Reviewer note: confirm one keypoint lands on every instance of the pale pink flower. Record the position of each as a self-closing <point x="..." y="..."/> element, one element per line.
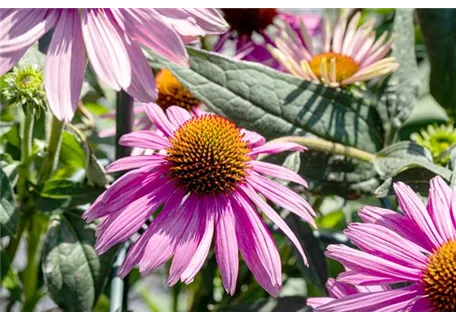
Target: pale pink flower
<point x="112" y="40"/>
<point x="349" y="53"/>
<point x="205" y="175"/>
<point x="415" y="253"/>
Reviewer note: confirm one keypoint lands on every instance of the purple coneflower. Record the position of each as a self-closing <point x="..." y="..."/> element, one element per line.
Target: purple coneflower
<point x="251" y="30"/>
<point x="414" y="252"/>
<point x="112" y="39"/>
<point x="349" y="53"/>
<point x="206" y="177"/>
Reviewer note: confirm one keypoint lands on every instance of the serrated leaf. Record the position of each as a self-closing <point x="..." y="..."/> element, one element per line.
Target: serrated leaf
<point x="438" y="27"/>
<point x="277" y="104"/>
<point x="73" y="272"/>
<point x="399" y="95"/>
<point x="8" y="209"/>
<point x="61" y="194"/>
<point x="404" y="155"/>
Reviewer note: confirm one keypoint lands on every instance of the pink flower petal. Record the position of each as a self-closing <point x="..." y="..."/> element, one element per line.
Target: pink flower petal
<point x="121" y="226"/>
<point x="106" y="48"/>
<point x="414" y="208"/>
<point x="159" y="119"/>
<point x="156" y="246"/>
<point x="226" y="247"/>
<point x="392" y="300"/>
<point x="65" y="66"/>
<point x="177" y="115"/>
<point x="276" y="171"/>
<point x="396" y="222"/>
<point x="257" y="246"/>
<point x="148" y="28"/>
<point x="366" y="263"/>
<point x="382" y="242"/>
<point x="277" y="147"/>
<point x="144" y="139"/>
<point x="283" y="196"/>
<point x="273" y="216"/>
<point x="134" y="162"/>
<point x="208" y="20"/>
<point x="439" y="204"/>
<point x="252" y="138"/>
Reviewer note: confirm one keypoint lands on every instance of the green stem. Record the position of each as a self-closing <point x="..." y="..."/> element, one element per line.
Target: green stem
<point x="117" y="302"/>
<point x="26" y="154"/>
<point x="328" y="146"/>
<point x="14" y="242"/>
<point x="53" y="150"/>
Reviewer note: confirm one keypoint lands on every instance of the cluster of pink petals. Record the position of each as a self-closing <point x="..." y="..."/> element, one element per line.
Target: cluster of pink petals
<point x="295" y="50"/>
<point x="185" y="227"/>
<point x="394" y="249"/>
<point x="112" y="40"/>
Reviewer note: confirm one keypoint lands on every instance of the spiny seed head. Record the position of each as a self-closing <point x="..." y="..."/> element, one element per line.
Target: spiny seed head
<point x="439" y="278"/>
<point x="438" y="139"/>
<point x="172" y="93"/>
<point x="208" y="155"/>
<point x="345" y="66"/>
<point x="246" y="21"/>
<point x="24" y="87"/>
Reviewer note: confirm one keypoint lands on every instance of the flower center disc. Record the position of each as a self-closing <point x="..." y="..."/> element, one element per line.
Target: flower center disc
<point x="208" y="155"/>
<point x="345" y="66"/>
<point x="245" y="21"/>
<point x="172" y="93"/>
<point x="440" y="278"/>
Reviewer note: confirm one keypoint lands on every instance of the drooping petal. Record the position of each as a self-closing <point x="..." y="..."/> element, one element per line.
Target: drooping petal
<point x="134" y="162"/>
<point x="277" y="147"/>
<point x="276" y="171"/>
<point x="257" y="246"/>
<point x="146" y="139"/>
<point x="273" y="216"/>
<point x="148" y="28"/>
<point x="65" y="66"/>
<point x="156" y="245"/>
<point x="226" y="246"/>
<point x="106" y="48"/>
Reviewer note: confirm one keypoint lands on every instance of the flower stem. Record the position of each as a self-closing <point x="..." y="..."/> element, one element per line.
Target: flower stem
<point x="124" y="125"/>
<point x="53" y="150"/>
<point x="26" y="154"/>
<point x="328" y="146"/>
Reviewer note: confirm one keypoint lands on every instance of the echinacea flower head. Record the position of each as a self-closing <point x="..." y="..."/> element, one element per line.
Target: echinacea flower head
<point x="437" y="139"/>
<point x="24" y="86"/>
<point x="252" y="30"/>
<point x="414" y="252"/>
<point x="111" y="38"/>
<point x="349" y="52"/>
<point x="205" y="178"/>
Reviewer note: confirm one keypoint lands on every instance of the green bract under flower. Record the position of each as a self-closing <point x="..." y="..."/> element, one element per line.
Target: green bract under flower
<point x="438" y="140"/>
<point x="24" y="87"/>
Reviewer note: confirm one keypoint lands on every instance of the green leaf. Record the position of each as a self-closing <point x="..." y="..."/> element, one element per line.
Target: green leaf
<point x="329" y="174"/>
<point x="9" y="278"/>
<point x="71" y="153"/>
<point x="416" y="178"/>
<point x="438" y="27"/>
<point x="316" y="272"/>
<point x="277" y="104"/>
<point x="400" y="156"/>
<point x="8" y="209"/>
<point x="452" y="165"/>
<point x="399" y="95"/>
<point x="73" y="272"/>
<point x="61" y="194"/>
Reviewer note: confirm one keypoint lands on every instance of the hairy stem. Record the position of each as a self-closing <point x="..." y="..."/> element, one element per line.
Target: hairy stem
<point x="26" y="154"/>
<point x="329" y="147"/>
<point x="53" y="150"/>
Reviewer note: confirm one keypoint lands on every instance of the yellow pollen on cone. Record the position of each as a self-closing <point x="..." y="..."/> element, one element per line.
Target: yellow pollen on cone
<point x="323" y="64"/>
<point x="172" y="93"/>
